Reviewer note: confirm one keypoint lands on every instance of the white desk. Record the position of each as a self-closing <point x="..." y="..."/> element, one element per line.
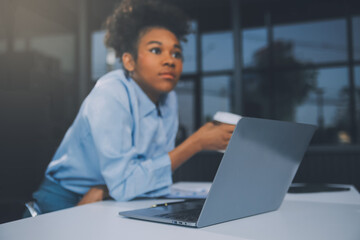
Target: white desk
<point x="327" y="216"/>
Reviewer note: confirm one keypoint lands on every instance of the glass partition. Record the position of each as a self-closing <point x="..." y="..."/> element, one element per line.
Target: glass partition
<point x="217" y="51"/>
<point x="357" y="99"/>
<point x="185" y="94"/>
<point x="103" y="59"/>
<point x="189" y="51"/>
<point x="216" y="95"/>
<point x="322" y="101"/>
<point x="356" y="37"/>
<point x="254" y="40"/>
<point x="313" y="42"/>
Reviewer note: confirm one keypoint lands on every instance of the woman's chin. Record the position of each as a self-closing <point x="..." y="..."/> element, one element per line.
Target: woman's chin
<point x="167" y="89"/>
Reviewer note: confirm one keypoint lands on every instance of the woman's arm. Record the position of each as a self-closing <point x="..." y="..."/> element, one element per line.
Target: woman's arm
<point x="211" y="136"/>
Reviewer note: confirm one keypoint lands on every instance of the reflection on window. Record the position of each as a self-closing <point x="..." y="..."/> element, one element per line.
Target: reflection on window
<point x="257" y="95"/>
<point x="2" y="46"/>
<point x="217" y="51"/>
<point x="61" y="47"/>
<point x="185" y="94"/>
<point x="20" y="45"/>
<point x="253" y="41"/>
<point x="216" y="96"/>
<point x="327" y="106"/>
<point x="315" y="42"/>
<point x="189" y="51"/>
<point x="98" y="52"/>
<point x="292" y="89"/>
<point x="38" y="73"/>
<point x="3" y="36"/>
<point x="319" y="97"/>
<point x="356" y="37"/>
<point x="51" y="39"/>
<point x="357" y="99"/>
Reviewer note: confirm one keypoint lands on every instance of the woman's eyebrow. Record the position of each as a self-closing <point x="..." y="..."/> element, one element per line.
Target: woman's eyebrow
<point x="152" y="42"/>
<point x="160" y="43"/>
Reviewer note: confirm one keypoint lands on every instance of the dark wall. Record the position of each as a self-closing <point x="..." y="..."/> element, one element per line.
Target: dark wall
<point x="31" y="125"/>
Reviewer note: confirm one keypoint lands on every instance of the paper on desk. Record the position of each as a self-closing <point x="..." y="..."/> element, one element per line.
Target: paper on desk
<point x="189" y="190"/>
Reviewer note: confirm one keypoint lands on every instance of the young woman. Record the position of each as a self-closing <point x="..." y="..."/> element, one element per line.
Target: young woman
<point x="123" y="137"/>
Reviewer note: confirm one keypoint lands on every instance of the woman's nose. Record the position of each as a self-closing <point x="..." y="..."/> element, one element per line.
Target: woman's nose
<point x="169" y="60"/>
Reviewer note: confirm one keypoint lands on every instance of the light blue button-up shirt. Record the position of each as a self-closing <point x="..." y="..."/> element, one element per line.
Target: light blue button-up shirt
<point x="118" y="138"/>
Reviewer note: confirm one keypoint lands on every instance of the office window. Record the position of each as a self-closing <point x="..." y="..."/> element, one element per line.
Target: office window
<point x="356" y="37"/>
<point x="254" y="40"/>
<point x="357" y="100"/>
<point x="217" y="51"/>
<point x="59" y="53"/>
<point x="257" y="90"/>
<point x="3" y="34"/>
<point x="38" y="86"/>
<point x="98" y="55"/>
<point x="42" y="60"/>
<point x="2" y="46"/>
<point x="314" y="42"/>
<point x="103" y="60"/>
<point x="185" y="94"/>
<point x="323" y="101"/>
<point x="49" y="38"/>
<point x="61" y="47"/>
<point x="216" y="96"/>
<point x="20" y="45"/>
<point x="189" y="51"/>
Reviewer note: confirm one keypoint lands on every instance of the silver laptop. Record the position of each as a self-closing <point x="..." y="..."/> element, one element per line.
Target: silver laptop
<point x="253" y="177"/>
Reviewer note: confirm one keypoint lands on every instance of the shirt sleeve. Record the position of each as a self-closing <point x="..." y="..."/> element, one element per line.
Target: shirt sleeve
<point x="173" y="120"/>
<point x="126" y="173"/>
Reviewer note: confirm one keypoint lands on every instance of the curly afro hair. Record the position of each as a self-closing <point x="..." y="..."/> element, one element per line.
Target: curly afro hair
<point x="133" y="17"/>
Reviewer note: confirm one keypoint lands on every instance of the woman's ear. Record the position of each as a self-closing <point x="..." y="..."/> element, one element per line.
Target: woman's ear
<point x="128" y="62"/>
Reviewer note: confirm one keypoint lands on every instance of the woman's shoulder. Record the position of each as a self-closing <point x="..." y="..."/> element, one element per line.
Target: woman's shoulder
<point x="113" y="80"/>
<point x="113" y="86"/>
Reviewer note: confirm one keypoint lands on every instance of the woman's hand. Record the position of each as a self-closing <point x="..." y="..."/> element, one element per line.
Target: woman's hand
<point x="214" y="135"/>
<point x="95" y="194"/>
<point x="211" y="136"/>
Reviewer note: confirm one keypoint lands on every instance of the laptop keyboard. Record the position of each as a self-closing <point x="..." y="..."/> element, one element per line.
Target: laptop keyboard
<point x="191" y="215"/>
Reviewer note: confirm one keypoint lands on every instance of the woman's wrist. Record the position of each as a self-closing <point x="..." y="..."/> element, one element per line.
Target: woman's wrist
<point x="185" y="150"/>
<point x="195" y="141"/>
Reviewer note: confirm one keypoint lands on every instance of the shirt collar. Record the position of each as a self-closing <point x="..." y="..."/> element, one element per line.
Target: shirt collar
<point x="146" y="106"/>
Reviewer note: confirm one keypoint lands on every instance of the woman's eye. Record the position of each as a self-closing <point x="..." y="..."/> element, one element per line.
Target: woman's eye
<point x="155" y="50"/>
<point x="177" y="55"/>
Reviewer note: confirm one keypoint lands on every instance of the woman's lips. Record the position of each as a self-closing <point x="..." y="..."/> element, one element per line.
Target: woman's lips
<point x="167" y="75"/>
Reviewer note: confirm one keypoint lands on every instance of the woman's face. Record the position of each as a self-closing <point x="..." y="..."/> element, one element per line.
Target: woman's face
<point x="159" y="63"/>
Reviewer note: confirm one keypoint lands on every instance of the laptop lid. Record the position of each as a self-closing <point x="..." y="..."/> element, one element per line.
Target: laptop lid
<point x="257" y="169"/>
